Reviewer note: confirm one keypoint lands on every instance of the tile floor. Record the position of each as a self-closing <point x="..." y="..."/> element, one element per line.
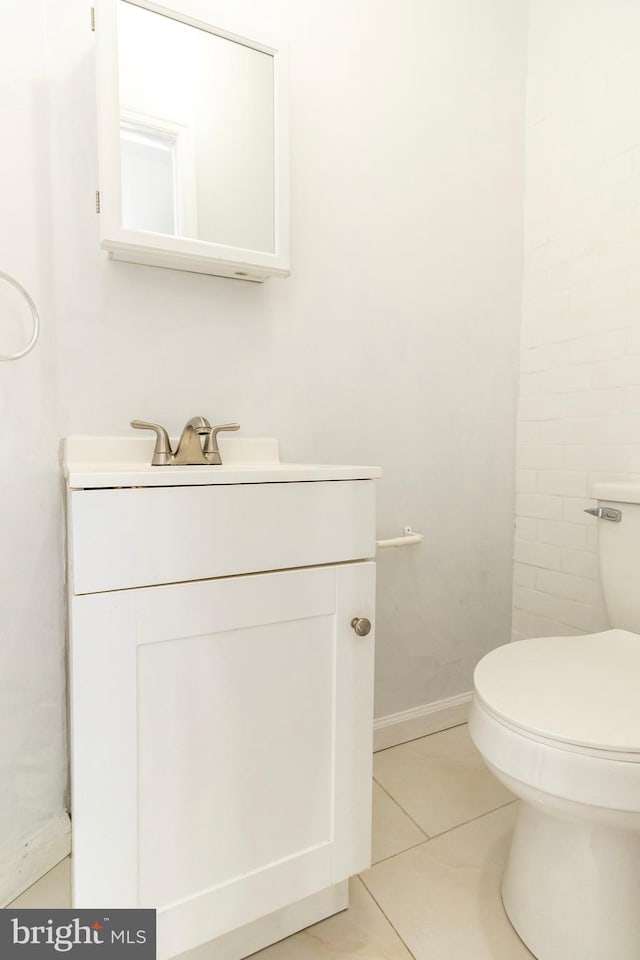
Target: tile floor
<point x="441" y="831"/>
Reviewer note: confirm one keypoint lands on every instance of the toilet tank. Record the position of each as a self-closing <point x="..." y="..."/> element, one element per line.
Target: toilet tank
<point x="619" y="551"/>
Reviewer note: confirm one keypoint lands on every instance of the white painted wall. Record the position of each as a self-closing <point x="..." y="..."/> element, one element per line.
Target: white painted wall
<point x="579" y="414"/>
<point x="33" y="771"/>
<point x="394" y="341"/>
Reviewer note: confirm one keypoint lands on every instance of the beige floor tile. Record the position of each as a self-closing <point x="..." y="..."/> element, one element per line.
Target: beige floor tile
<point x="51" y="892"/>
<point x="441" y="781"/>
<point x="443" y="896"/>
<point x="393" y="830"/>
<point x="361" y="931"/>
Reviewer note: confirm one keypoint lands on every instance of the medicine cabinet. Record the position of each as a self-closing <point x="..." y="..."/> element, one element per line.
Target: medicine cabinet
<point x="193" y="142"/>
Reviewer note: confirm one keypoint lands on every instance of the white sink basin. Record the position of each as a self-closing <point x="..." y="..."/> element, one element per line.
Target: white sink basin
<point x="99" y="462"/>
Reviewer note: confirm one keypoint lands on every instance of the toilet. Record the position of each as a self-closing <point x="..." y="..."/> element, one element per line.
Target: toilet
<point x="557" y="720"/>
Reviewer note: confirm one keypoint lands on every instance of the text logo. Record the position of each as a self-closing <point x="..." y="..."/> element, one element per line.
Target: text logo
<point x="30" y="934"/>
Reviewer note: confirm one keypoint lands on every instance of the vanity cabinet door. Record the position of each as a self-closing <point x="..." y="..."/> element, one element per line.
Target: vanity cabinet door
<point x="221" y="746"/>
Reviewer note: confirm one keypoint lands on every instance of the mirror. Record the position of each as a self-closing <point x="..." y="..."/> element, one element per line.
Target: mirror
<point x="192" y="143"/>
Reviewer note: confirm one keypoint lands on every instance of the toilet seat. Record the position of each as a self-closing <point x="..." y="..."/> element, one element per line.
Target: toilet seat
<point x="555" y="769"/>
<point x="579" y="694"/>
<point x="562" y="715"/>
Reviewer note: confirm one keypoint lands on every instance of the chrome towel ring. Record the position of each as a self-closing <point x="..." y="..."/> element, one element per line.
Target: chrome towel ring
<point x="34" y="315"/>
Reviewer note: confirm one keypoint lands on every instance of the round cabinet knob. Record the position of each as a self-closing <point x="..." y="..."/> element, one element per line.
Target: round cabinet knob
<point x="361" y="625"/>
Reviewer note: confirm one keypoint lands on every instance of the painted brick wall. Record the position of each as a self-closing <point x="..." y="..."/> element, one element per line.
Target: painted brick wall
<point x="579" y="407"/>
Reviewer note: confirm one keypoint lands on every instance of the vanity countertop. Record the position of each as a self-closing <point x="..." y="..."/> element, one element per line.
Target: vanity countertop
<point x="107" y="462"/>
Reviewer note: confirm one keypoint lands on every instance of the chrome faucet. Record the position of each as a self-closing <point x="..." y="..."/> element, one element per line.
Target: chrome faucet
<point x="190" y="450"/>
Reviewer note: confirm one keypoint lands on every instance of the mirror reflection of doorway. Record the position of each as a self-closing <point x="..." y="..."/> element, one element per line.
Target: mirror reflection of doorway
<point x="157" y="177"/>
<point x="222" y="89"/>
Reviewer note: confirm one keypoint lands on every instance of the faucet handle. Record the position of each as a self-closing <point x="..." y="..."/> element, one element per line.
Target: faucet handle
<point x="210" y="448"/>
<point x="162" y="455"/>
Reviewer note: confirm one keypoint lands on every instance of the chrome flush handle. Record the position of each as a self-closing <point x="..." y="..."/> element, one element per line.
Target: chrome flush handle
<point x="605" y="513"/>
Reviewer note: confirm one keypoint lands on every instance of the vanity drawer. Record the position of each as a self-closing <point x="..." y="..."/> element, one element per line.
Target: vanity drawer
<point x="135" y="537"/>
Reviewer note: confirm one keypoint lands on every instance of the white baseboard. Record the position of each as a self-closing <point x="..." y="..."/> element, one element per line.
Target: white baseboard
<point x="35" y="856"/>
<point x="418" y="722"/>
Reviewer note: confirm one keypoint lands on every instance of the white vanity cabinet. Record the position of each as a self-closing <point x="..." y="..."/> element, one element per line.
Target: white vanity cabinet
<point x="221" y="716"/>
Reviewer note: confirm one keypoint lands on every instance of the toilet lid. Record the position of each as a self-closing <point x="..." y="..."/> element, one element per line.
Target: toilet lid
<point x="582" y="690"/>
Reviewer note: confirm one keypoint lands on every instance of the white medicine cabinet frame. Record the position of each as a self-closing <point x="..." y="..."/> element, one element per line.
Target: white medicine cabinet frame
<point x="193" y="177"/>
